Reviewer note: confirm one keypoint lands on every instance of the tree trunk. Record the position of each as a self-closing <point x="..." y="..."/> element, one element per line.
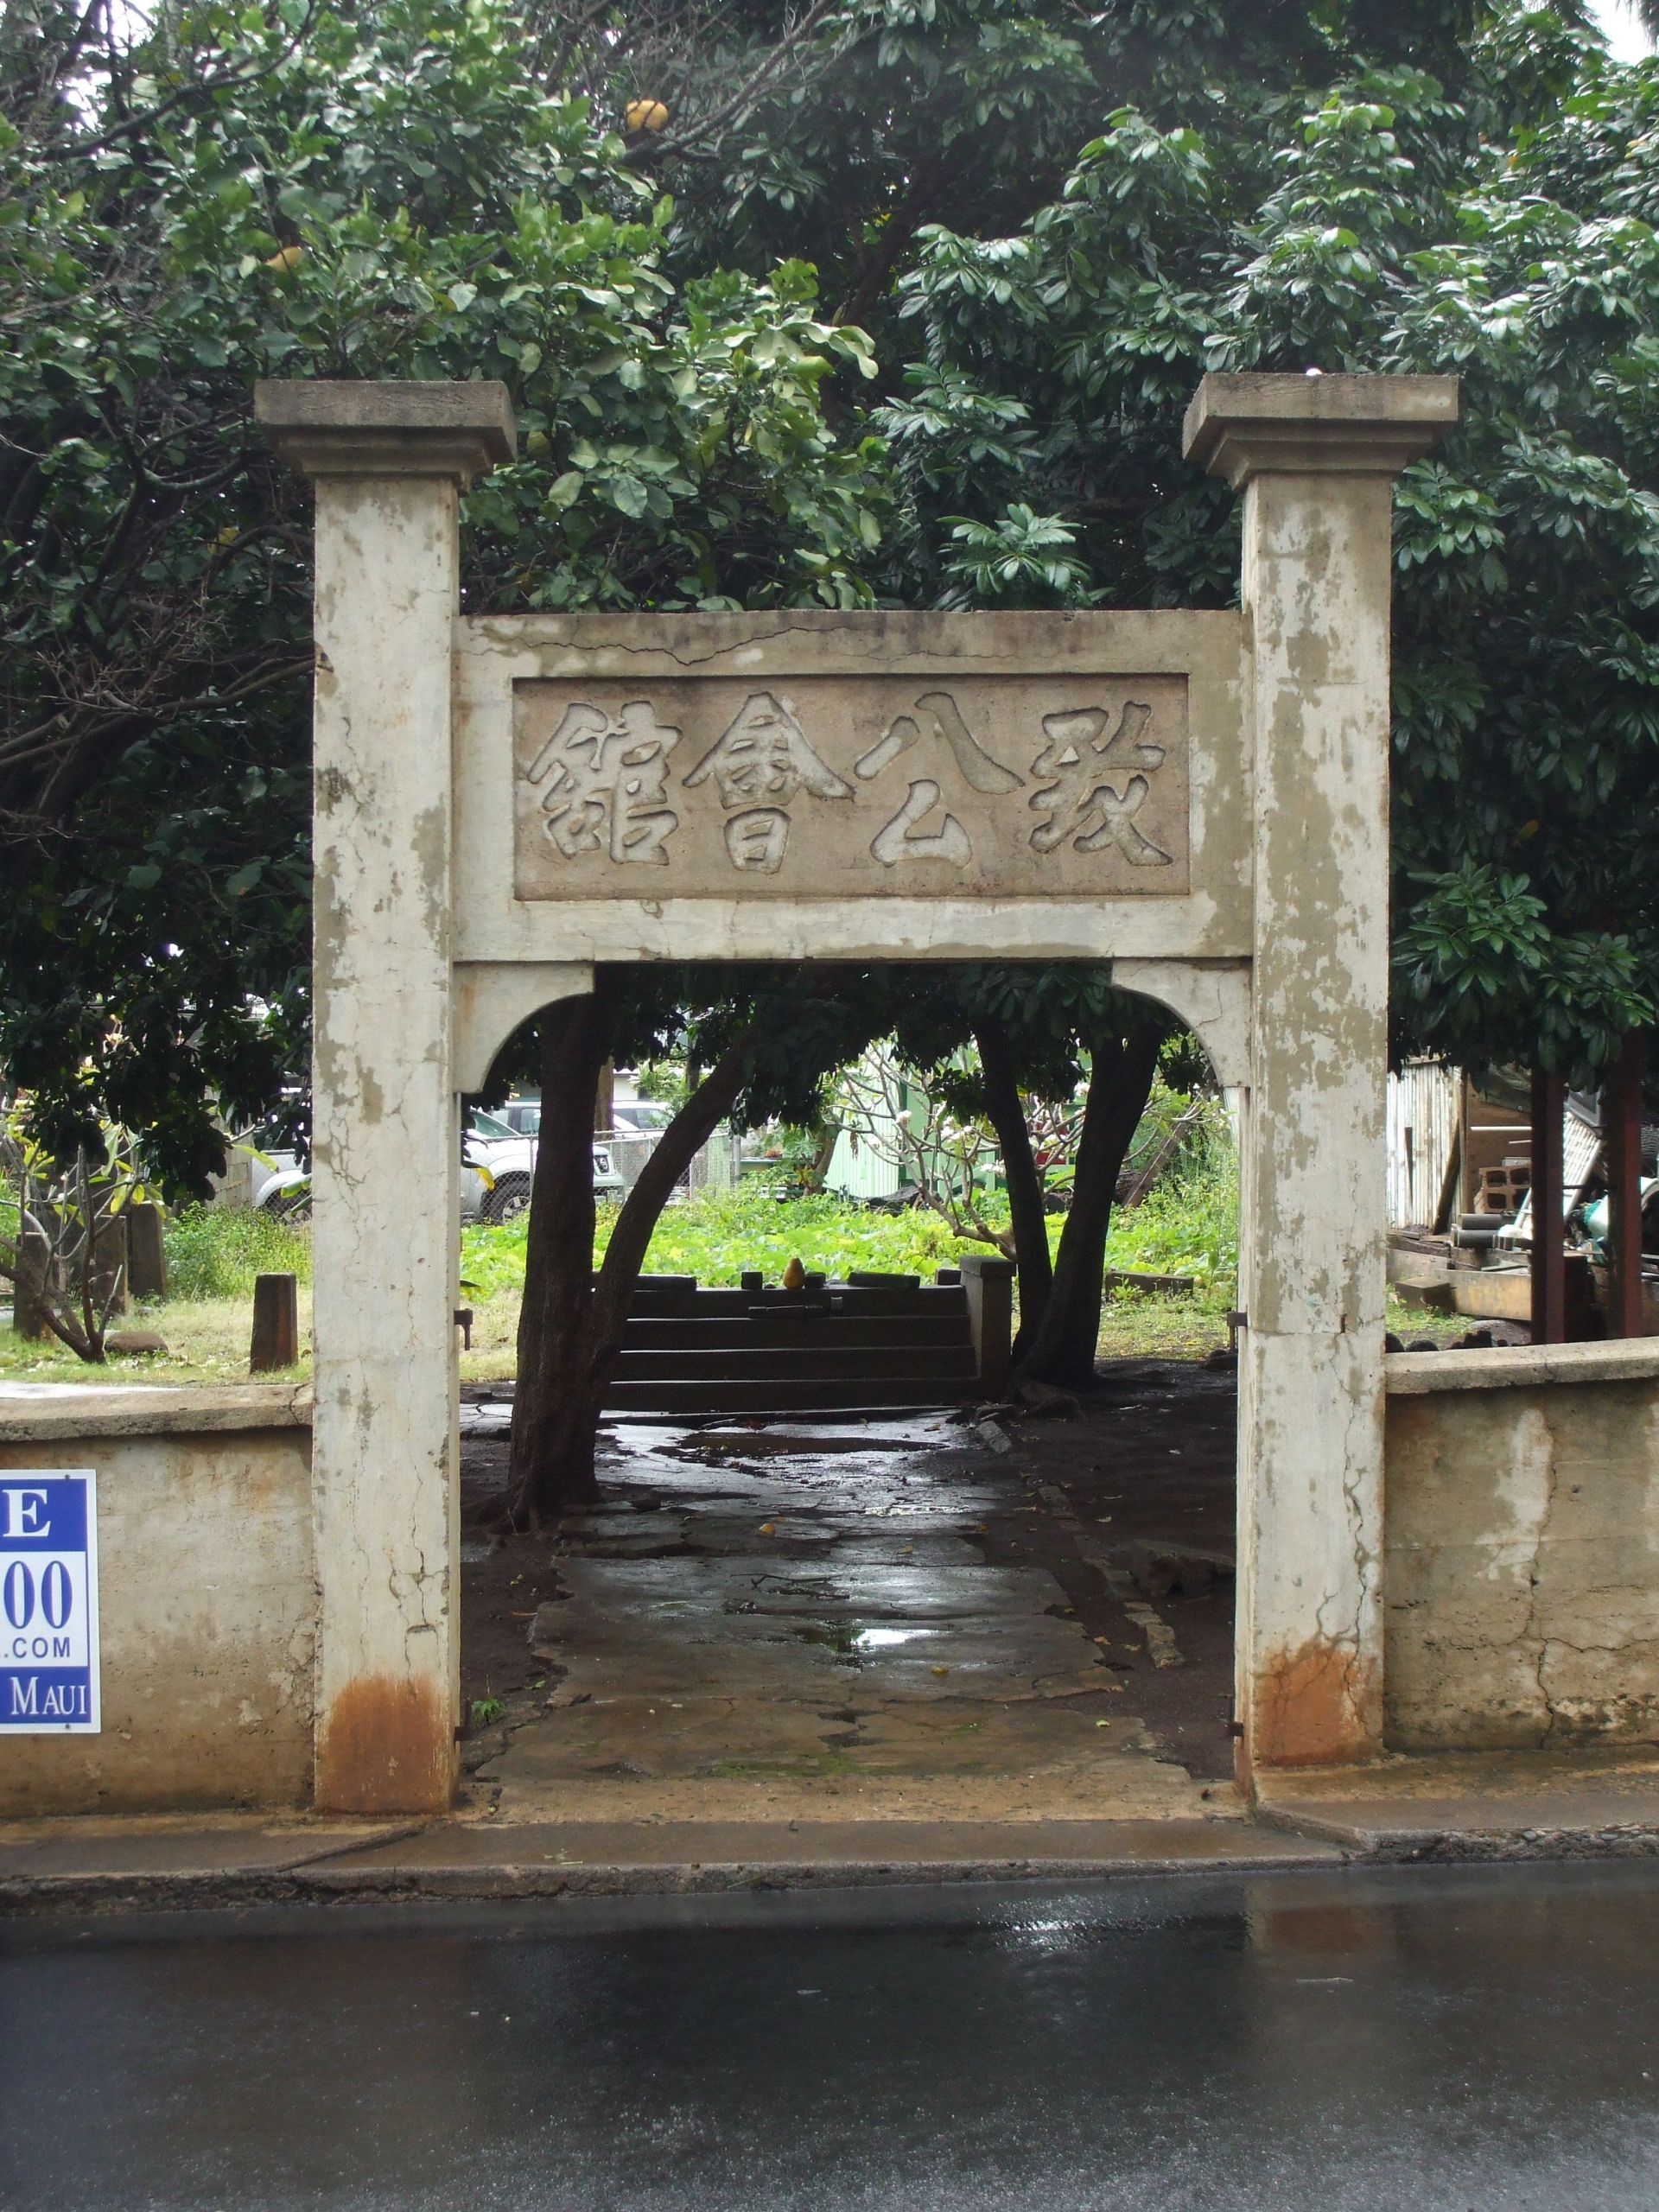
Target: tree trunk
<point x="571" y="1324"/>
<point x="555" y="1399"/>
<point x="1064" y="1349"/>
<point x="828" y="1138"/>
<point x="673" y="1153"/>
<point x="1005" y="1111"/>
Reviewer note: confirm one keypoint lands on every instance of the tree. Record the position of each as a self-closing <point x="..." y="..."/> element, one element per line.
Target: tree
<point x="766" y="1040"/>
<point x="62" y="1235"/>
<point x="1050" y="220"/>
<point x="193" y="199"/>
<point x="1311" y="205"/>
<point x="1037" y="1031"/>
<point x="967" y="112"/>
<point x="1506" y="233"/>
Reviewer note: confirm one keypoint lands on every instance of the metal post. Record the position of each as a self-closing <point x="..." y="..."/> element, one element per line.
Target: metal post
<point x="1549" y="1258"/>
<point x="1623" y="1138"/>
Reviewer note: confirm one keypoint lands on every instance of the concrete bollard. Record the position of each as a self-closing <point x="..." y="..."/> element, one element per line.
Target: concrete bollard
<point x="275" y="1323"/>
<point x="146" y="1254"/>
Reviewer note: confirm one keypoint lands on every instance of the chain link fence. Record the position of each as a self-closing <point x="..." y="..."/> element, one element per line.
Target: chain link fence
<point x="714" y="1168"/>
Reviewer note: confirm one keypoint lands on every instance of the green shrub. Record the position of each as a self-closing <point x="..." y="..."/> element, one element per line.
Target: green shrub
<point x="719" y="1234"/>
<point x="216" y="1251"/>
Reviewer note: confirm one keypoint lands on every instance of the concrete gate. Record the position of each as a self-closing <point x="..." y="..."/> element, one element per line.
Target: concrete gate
<point x="1201" y="798"/>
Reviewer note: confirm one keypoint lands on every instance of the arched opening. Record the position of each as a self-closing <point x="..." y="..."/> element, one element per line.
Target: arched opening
<point x="871" y="1589"/>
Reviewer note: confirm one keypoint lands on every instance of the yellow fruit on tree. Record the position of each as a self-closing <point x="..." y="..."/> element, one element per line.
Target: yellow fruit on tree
<point x="644" y="115"/>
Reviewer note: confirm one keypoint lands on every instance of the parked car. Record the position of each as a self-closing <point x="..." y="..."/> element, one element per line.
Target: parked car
<point x="510" y="1160"/>
<point x="278" y="1185"/>
<point x="497" y="1165"/>
<point x="640" y="1117"/>
<point x="629" y="1116"/>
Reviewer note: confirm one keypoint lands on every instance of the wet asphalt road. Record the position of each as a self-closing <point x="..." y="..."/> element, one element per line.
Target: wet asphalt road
<point x="1425" y="2037"/>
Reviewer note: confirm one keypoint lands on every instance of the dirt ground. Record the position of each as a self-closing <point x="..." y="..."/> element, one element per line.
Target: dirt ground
<point x="762" y="1570"/>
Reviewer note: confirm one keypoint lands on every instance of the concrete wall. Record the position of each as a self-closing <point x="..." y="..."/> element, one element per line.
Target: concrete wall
<point x="207" y="1597"/>
<point x="1521" y="1572"/>
<point x="1521" y="1566"/>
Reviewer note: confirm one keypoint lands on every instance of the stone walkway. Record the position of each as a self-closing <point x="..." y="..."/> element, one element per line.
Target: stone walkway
<point x="797" y="1619"/>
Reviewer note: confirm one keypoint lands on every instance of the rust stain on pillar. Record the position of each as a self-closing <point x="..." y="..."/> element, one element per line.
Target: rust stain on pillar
<point x="1320" y="1705"/>
<point x="387" y="1746"/>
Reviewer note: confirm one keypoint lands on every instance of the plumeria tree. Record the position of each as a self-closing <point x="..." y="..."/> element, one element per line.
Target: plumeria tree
<point x="62" y="1243"/>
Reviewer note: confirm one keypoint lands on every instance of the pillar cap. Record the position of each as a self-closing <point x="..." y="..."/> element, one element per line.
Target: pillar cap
<point x="404" y="429"/>
<point x="1241" y="427"/>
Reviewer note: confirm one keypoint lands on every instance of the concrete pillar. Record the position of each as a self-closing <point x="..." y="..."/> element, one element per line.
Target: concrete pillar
<point x="1315" y="457"/>
<point x="389" y="462"/>
<point x="987" y="1285"/>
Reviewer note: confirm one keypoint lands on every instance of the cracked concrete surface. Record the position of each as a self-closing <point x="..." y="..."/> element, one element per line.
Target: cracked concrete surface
<point x="1523" y="1566"/>
<point x="779" y="1619"/>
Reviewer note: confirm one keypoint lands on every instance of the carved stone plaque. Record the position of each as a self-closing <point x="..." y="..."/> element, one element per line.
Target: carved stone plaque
<point x="829" y="786"/>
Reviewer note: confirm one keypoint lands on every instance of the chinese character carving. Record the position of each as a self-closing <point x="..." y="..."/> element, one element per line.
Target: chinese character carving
<point x="756" y="841"/>
<point x="945" y="723"/>
<point x="941" y="719"/>
<point x="900" y="840"/>
<point x="607" y="781"/>
<point x="1079" y="769"/>
<point x="764" y="756"/>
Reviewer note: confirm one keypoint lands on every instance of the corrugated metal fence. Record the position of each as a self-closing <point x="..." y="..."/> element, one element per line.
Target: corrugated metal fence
<point x="1423" y="1101"/>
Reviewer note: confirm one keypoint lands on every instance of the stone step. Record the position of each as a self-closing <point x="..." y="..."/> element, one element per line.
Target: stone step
<point x="783" y="1363"/>
<point x="806" y="1332"/>
<point x="824" y="1395"/>
<point x="675" y="1304"/>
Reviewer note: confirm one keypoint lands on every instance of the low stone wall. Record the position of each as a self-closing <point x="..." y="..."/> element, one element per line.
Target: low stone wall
<point x="1522" y="1570"/>
<point x="208" y="1598"/>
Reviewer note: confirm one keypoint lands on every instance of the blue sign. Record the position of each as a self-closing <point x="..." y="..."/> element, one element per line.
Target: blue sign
<point x="48" y="1601"/>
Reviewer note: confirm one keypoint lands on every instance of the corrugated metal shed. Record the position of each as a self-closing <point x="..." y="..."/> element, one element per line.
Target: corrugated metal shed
<point x="1423" y="1109"/>
<point x="858" y="1170"/>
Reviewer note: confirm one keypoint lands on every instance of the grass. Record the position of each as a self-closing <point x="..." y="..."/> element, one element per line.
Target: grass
<point x="1187" y="1226"/>
<point x="215" y="1252"/>
<point x="1149" y="1326"/>
<point x="719" y="1234"/>
<point x="1414" y="1325"/>
<point x="207" y="1342"/>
